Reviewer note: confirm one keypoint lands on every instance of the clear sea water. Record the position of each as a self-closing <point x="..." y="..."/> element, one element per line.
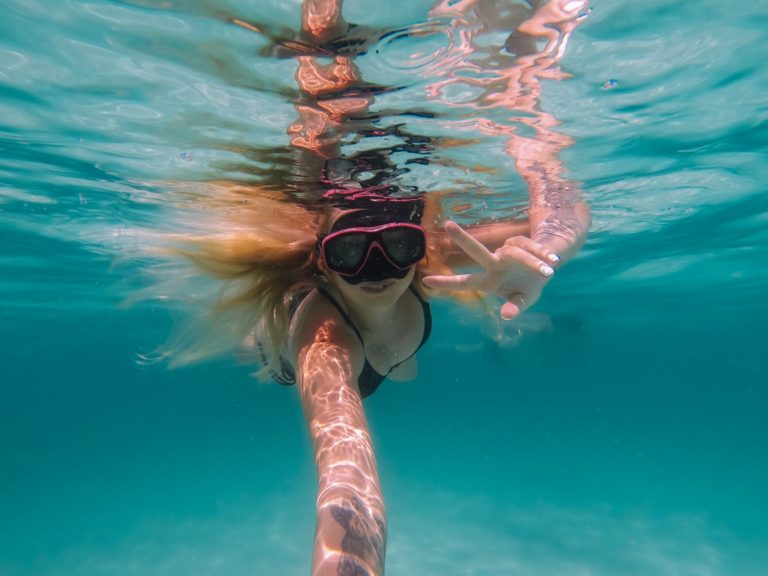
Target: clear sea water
<point x="619" y="428"/>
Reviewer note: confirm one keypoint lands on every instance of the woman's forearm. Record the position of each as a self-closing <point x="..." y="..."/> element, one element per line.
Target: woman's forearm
<point x="350" y="535"/>
<point x="563" y="231"/>
<point x="558" y="218"/>
<point x="350" y="539"/>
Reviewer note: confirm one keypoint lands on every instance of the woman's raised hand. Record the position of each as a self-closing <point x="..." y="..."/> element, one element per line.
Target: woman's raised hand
<point x="517" y="271"/>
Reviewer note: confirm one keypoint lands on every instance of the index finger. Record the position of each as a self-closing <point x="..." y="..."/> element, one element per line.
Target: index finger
<point x="455" y="282"/>
<point x="471" y="245"/>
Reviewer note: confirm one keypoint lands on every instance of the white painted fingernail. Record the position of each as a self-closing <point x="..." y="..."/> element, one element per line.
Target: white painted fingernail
<point x="546" y="270"/>
<point x="554" y="258"/>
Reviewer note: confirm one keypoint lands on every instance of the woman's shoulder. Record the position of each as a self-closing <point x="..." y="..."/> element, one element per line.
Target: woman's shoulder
<point x="318" y="317"/>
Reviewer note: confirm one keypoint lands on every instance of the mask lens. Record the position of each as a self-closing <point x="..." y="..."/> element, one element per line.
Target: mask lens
<point x="404" y="245"/>
<point x="345" y="252"/>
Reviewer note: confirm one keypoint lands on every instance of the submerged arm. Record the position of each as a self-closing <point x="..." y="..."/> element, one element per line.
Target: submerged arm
<point x="518" y="268"/>
<point x="559" y="218"/>
<point x="350" y="533"/>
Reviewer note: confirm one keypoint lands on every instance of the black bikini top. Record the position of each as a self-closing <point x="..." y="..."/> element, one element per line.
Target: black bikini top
<point x="369" y="380"/>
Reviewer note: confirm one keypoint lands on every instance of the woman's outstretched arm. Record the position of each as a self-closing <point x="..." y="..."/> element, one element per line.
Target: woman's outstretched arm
<point x="350" y="533"/>
<point x="518" y="267"/>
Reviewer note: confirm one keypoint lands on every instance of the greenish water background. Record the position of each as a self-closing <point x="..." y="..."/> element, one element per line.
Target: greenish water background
<point x="618" y="429"/>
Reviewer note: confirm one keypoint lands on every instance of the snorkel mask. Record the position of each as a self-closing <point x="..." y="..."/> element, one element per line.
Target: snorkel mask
<point x="380" y="237"/>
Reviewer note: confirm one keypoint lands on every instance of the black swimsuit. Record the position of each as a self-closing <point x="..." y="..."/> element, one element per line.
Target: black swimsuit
<point x="369" y="380"/>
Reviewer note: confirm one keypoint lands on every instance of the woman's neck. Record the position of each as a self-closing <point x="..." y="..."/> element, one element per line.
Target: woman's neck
<point x="371" y="320"/>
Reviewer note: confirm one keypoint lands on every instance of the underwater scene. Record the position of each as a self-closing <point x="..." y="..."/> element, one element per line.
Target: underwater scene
<point x="616" y="427"/>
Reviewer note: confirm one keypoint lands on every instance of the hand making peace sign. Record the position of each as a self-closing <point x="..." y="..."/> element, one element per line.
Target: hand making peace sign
<point x="517" y="271"/>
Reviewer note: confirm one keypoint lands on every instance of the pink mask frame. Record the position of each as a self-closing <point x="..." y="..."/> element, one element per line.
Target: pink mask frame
<point x="377" y="242"/>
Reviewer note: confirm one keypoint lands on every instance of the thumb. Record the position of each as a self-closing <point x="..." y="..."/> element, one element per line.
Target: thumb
<point x="518" y="303"/>
<point x="513" y="307"/>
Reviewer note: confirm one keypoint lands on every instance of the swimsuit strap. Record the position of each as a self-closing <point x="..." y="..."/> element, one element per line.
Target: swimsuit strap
<point x="344" y="315"/>
<point x="427" y="317"/>
<point x="425" y="336"/>
<point x="368" y="380"/>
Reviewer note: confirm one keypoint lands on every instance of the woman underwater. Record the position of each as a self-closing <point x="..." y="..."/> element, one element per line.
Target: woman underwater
<point x="340" y="284"/>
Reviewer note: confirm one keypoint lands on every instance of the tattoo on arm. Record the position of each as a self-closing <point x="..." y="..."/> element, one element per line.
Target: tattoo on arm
<point x="364" y="541"/>
<point x="559" y="195"/>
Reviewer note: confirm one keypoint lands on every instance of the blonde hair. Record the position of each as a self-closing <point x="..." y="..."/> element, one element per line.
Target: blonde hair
<point x="265" y="252"/>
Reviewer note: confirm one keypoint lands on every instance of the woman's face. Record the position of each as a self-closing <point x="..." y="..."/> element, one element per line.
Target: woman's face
<point x="379" y="282"/>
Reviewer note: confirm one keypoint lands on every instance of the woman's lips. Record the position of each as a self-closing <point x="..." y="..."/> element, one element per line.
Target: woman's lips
<point x="376" y="287"/>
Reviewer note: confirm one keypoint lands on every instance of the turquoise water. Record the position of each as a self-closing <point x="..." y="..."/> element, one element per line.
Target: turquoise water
<point x="618" y="428"/>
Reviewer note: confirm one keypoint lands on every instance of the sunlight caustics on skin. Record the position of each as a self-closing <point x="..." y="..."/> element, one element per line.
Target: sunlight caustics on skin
<point x="351" y="529"/>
